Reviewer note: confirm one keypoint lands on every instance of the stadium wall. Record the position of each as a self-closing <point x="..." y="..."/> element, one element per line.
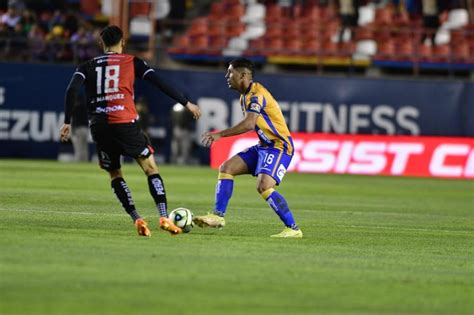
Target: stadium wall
<point x="31" y="105"/>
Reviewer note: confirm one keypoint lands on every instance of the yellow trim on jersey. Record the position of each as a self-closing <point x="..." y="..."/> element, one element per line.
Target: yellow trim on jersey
<point x="271" y="122"/>
<point x="267" y="193"/>
<point x="224" y="176"/>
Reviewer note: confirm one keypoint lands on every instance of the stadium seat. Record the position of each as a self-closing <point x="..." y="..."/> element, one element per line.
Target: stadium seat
<point x="424" y="52"/>
<point x="254" y="30"/>
<point x="364" y="33"/>
<point x="292" y="47"/>
<point x="366" y="15"/>
<point x="238" y="43"/>
<point x="139" y="8"/>
<point x="273" y="46"/>
<point x="442" y="37"/>
<point x="385" y="49"/>
<point x="461" y="53"/>
<point x="180" y="45"/>
<point x="273" y="30"/>
<point x="217" y="10"/>
<point x="199" y="26"/>
<point x="311" y="47"/>
<point x="199" y="44"/>
<point x="234" y="29"/>
<point x="405" y="49"/>
<point x="273" y="13"/>
<point x="457" y="18"/>
<point x="235" y="11"/>
<point x="441" y="53"/>
<point x="383" y="16"/>
<point x="458" y="36"/>
<point x="365" y="49"/>
<point x="217" y="26"/>
<point x="254" y="13"/>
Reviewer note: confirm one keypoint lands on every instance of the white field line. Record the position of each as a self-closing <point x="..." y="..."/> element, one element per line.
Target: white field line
<point x="342" y="226"/>
<point x="66" y="212"/>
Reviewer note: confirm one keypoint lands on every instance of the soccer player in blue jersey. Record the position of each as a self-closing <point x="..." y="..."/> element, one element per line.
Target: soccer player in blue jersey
<point x="268" y="160"/>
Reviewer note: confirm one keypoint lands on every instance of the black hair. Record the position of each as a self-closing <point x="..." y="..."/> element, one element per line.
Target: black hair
<point x="111" y="35"/>
<point x="243" y="63"/>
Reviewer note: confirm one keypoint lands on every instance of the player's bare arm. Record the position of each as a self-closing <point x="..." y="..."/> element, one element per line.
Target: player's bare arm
<point x="245" y="125"/>
<point x="194" y="109"/>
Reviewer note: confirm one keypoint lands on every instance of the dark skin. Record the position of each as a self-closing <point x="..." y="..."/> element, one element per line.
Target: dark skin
<point x="239" y="80"/>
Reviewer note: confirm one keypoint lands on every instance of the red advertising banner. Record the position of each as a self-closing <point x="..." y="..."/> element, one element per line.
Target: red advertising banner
<point x="368" y="155"/>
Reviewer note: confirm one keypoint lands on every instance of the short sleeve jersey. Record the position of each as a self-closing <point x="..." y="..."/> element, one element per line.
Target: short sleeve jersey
<point x="109" y="81"/>
<point x="271" y="127"/>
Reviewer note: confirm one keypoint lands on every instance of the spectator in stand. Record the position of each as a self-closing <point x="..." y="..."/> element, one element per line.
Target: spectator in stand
<point x="430" y="21"/>
<point x="83" y="44"/>
<point x="3" y="39"/>
<point x="11" y="18"/>
<point x="28" y="19"/>
<point x="349" y="14"/>
<point x="18" y="43"/>
<point x="36" y="41"/>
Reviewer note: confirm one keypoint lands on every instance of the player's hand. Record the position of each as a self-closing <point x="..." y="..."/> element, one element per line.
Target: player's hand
<point x="194" y="109"/>
<point x="65" y="132"/>
<point x="209" y="137"/>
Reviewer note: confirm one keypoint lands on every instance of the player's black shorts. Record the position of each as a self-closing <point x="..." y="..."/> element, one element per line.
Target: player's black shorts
<point x="114" y="140"/>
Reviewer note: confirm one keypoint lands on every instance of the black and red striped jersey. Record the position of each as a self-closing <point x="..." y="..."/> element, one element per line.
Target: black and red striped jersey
<point x="109" y="81"/>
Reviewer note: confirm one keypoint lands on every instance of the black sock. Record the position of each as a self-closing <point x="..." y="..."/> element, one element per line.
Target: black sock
<point x="124" y="195"/>
<point x="157" y="191"/>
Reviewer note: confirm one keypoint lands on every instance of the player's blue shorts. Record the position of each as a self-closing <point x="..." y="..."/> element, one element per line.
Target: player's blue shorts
<point x="264" y="160"/>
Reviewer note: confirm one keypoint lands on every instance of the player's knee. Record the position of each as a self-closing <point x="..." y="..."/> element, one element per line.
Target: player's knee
<point x="225" y="168"/>
<point x="262" y="187"/>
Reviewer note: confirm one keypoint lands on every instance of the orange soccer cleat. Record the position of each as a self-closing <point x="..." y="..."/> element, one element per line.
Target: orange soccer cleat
<point x="142" y="227"/>
<point x="168" y="225"/>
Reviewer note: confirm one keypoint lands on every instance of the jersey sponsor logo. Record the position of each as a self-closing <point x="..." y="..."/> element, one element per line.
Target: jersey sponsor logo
<point x="109" y="109"/>
<point x="281" y="171"/>
<point x="370" y="155"/>
<point x="255" y="107"/>
<point x="263" y="137"/>
<point x="145" y="152"/>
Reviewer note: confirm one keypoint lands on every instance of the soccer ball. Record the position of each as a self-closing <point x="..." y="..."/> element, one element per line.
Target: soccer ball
<point x="183" y="218"/>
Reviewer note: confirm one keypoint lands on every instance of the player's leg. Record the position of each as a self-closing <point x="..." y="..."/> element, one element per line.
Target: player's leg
<point x="109" y="160"/>
<point x="265" y="187"/>
<point x="157" y="190"/>
<point x="124" y="195"/>
<point x="271" y="169"/>
<point x="237" y="165"/>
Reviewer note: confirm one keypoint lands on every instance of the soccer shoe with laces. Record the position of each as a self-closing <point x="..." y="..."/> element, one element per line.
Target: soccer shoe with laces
<point x="209" y="220"/>
<point x="289" y="233"/>
<point x="168" y="225"/>
<point x="142" y="228"/>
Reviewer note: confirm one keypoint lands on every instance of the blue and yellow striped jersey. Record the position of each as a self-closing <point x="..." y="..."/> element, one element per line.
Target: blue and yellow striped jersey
<point x="271" y="127"/>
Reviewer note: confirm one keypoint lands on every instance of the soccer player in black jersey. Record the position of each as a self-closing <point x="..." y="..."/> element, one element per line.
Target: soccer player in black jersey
<point x="109" y="80"/>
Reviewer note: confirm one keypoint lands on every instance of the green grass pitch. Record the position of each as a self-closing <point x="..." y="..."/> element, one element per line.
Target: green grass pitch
<point x="372" y="245"/>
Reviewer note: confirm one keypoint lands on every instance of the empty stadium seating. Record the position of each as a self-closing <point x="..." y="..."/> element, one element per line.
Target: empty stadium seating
<point x="384" y="33"/>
